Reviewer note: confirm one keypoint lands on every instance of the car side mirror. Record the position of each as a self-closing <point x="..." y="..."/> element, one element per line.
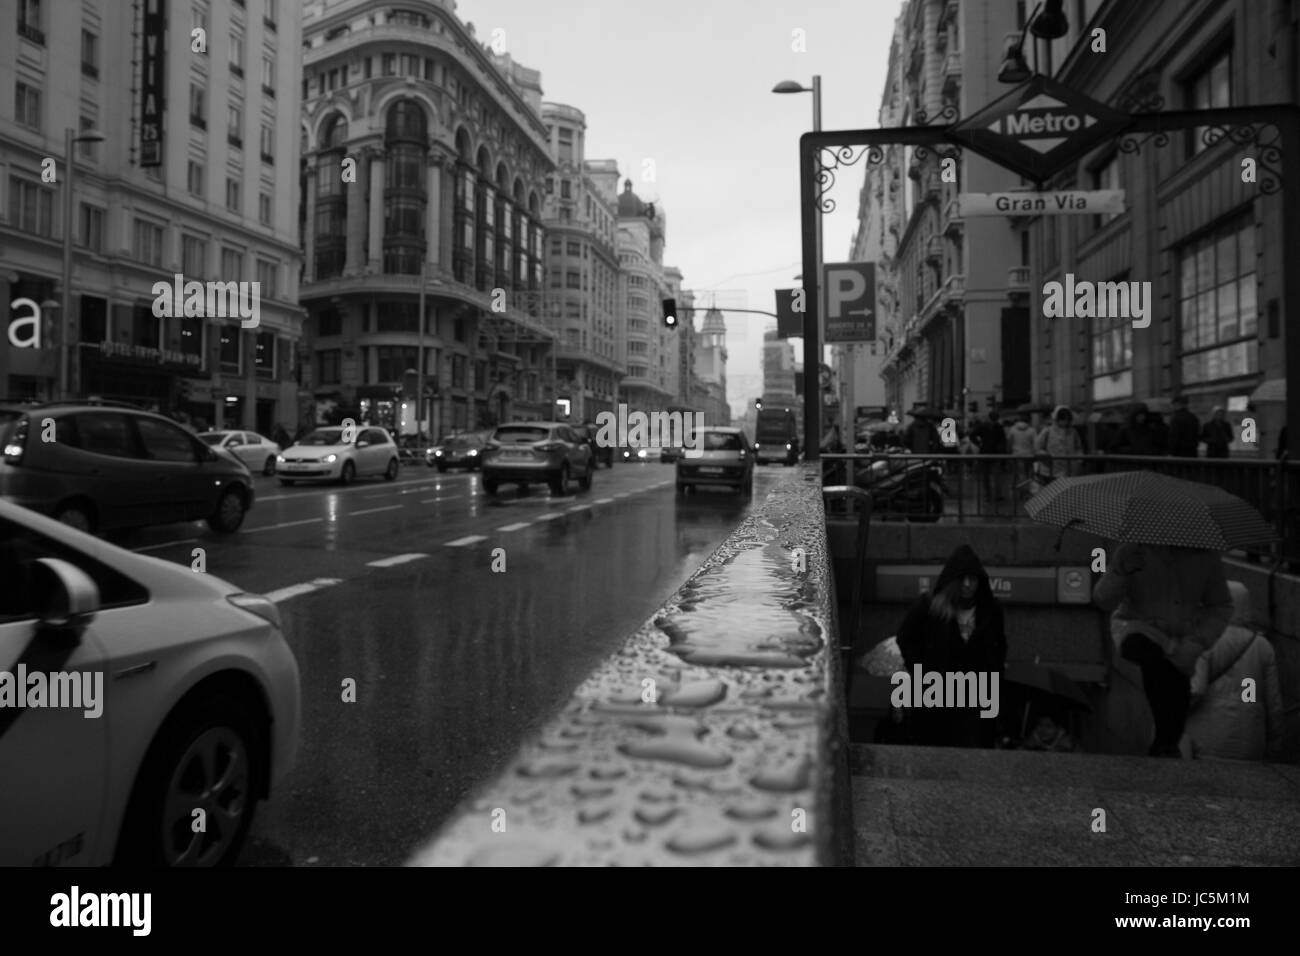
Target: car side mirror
<point x="363" y="444"/>
<point x="66" y="598"/>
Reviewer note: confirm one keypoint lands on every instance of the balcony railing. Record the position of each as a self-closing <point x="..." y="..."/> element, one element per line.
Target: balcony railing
<point x="996" y="487"/>
<point x="952" y="69"/>
<point x="952" y="221"/>
<point x="934" y="249"/>
<point x="954" y="290"/>
<point x="29" y="32"/>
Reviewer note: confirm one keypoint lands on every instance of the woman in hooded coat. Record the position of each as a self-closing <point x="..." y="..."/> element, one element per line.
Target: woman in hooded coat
<point x="956" y="626"/>
<point x="1223" y="726"/>
<point x="1058" y="441"/>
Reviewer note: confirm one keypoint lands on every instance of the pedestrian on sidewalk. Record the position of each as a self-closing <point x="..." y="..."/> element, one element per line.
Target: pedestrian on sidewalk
<point x="1184" y="430"/>
<point x="991" y="438"/>
<point x="1141" y="435"/>
<point x="1169" y="605"/>
<point x="1231" y="719"/>
<point x="1058" y="442"/>
<point x="1021" y="438"/>
<point x="957" y="626"/>
<point x="1217" y="434"/>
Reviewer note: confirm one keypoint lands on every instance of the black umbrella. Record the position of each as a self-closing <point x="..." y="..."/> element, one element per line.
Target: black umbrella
<point x="1144" y="507"/>
<point x="1044" y="678"/>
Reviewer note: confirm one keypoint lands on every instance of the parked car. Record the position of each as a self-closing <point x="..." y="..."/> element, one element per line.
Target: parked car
<point x="458" y="451"/>
<point x="604" y="453"/>
<point x="255" y="451"/>
<point x="195" y="691"/>
<point x="105" y="467"/>
<point x="328" y="454"/>
<point x="724" y="459"/>
<point x="524" y="453"/>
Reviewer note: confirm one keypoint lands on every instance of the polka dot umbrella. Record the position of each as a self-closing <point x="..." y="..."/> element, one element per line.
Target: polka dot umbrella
<point x="1148" y="508"/>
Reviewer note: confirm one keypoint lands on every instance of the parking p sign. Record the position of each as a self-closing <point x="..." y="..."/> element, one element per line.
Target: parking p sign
<point x="850" y="296"/>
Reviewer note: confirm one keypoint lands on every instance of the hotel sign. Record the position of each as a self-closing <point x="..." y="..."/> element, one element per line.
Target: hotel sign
<point x="145" y="354"/>
<point x="153" y="69"/>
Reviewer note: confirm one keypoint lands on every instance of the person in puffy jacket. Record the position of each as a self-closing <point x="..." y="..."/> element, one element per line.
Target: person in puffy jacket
<point x="1227" y="721"/>
<point x="1142" y="435"/>
<point x="1058" y="440"/>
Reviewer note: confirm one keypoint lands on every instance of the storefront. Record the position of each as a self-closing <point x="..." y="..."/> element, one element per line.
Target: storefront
<point x="144" y="376"/>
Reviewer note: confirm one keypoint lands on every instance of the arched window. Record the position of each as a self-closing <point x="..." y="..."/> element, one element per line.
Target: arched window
<point x="406" y="150"/>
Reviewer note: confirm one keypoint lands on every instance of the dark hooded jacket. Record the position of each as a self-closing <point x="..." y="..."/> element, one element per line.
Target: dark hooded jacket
<point x="1147" y="438"/>
<point x="937" y="645"/>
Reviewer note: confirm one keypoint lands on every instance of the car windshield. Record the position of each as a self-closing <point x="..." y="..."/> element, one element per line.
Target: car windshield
<point x="212" y="438"/>
<point x="721" y="441"/>
<point x="463" y="441"/>
<point x="521" y="435"/>
<point x="323" y="436"/>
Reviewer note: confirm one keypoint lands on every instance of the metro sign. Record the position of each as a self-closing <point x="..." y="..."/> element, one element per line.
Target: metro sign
<point x="1038" y="128"/>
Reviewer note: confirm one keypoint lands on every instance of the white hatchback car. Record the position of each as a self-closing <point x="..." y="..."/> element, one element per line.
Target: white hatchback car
<point x="134" y="693"/>
<point x="339" y="454"/>
<point x="255" y="451"/>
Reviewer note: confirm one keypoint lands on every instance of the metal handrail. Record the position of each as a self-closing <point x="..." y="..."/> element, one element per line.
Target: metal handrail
<point x="852" y="493"/>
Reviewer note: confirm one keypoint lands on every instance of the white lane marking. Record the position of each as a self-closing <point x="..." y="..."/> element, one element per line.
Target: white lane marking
<point x="550" y="516"/>
<point x="603" y="501"/>
<point x="295" y="590"/>
<point x="429" y="501"/>
<point x="286" y="524"/>
<point x="472" y="539"/>
<point x="370" y="511"/>
<point x="514" y="527"/>
<point x="395" y="559"/>
<point x="578" y="508"/>
<point x="336" y="490"/>
<point x="165" y="544"/>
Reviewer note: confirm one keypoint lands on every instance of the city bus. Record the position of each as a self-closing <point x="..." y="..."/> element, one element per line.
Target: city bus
<point x="776" y="436"/>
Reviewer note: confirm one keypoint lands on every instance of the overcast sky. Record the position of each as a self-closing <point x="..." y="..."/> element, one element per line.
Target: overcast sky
<point x="688" y="83"/>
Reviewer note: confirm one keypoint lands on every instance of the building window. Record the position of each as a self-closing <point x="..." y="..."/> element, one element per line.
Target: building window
<point x="27" y="105"/>
<point x="1210" y="88"/>
<point x="194" y="178"/>
<point x="265" y="354"/>
<point x="268" y="75"/>
<point x="397" y="317"/>
<point x="237" y="54"/>
<point x="198" y="109"/>
<point x="1216" y="304"/>
<point x="329" y="322"/>
<point x="194" y="257"/>
<point x="232" y="265"/>
<point x="89" y="55"/>
<point x="230" y="350"/>
<point x="271" y="14"/>
<point x="458" y="330"/>
<point x="264" y="208"/>
<point x="329" y="364"/>
<point x="458" y="365"/>
<point x="232" y="194"/>
<point x="144" y="327"/>
<point x="29" y="21"/>
<point x="390" y="64"/>
<point x="92" y="227"/>
<point x="393" y="361"/>
<point x="268" y="143"/>
<point x="565" y="151"/>
<point x="572" y="279"/>
<point x="148" y="244"/>
<point x="566" y="189"/>
<point x="268" y="274"/>
<point x="1112" y="355"/>
<point x="573" y="249"/>
<point x="1105" y="176"/>
<point x="235" y="126"/>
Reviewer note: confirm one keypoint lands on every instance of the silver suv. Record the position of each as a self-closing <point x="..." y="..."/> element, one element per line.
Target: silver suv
<point x="524" y="453"/>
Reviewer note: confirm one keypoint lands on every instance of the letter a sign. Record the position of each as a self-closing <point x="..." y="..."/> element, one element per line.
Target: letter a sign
<point x="1038" y="127"/>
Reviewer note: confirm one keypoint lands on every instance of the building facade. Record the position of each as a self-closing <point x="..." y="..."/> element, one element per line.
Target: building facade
<point x="445" y="157"/>
<point x="581" y="262"/>
<point x="711" y="369"/>
<point x="196" y="181"/>
<point x="650" y="382"/>
<point x="953" y="319"/>
<point x="778" y="370"/>
<point x="1209" y="243"/>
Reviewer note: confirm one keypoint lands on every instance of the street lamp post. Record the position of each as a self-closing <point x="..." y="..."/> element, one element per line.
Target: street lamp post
<point x="419" y="352"/>
<point x="812" y="325"/>
<point x="70" y="140"/>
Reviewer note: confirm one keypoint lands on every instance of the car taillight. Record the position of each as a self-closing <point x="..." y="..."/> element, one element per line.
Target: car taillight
<point x="16" y="444"/>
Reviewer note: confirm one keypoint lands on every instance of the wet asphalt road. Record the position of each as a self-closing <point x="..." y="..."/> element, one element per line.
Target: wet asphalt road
<point x="391" y="584"/>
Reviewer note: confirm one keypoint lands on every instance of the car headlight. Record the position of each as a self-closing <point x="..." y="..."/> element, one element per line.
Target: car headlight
<point x="259" y="605"/>
<point x="473" y="451"/>
<point x="788" y="446"/>
<point x="279" y="459"/>
<point x="437" y="453"/>
<point x="641" y="453"/>
<point x="330" y="459"/>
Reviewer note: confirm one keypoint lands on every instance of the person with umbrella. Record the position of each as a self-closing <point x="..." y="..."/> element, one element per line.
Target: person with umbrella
<point x="956" y="626"/>
<point x="1223" y="725"/>
<point x="1164" y="584"/>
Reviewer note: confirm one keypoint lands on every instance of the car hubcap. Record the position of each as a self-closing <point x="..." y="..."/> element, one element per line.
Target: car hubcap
<point x="212" y="776"/>
<point x="231" y="508"/>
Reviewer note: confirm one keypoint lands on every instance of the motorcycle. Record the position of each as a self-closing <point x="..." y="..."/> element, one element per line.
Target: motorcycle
<point x="911" y="488"/>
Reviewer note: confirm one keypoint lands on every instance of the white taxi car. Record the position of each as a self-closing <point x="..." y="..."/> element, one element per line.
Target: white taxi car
<point x="162" y="692"/>
<point x="340" y="454"/>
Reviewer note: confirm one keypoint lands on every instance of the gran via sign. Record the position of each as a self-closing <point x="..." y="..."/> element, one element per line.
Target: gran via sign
<point x="1062" y="202"/>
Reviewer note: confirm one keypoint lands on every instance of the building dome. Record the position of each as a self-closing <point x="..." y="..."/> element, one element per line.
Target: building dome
<point x="629" y="203"/>
<point x="713" y="322"/>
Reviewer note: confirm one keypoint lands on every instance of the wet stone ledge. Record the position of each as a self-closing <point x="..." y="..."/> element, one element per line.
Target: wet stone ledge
<point x="730" y="756"/>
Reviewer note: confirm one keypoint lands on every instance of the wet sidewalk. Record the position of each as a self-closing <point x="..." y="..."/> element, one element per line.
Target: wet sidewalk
<point x="940" y="806"/>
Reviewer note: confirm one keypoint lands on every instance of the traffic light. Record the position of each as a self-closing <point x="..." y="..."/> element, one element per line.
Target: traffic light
<point x="670" y="313"/>
<point x="758" y="404"/>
